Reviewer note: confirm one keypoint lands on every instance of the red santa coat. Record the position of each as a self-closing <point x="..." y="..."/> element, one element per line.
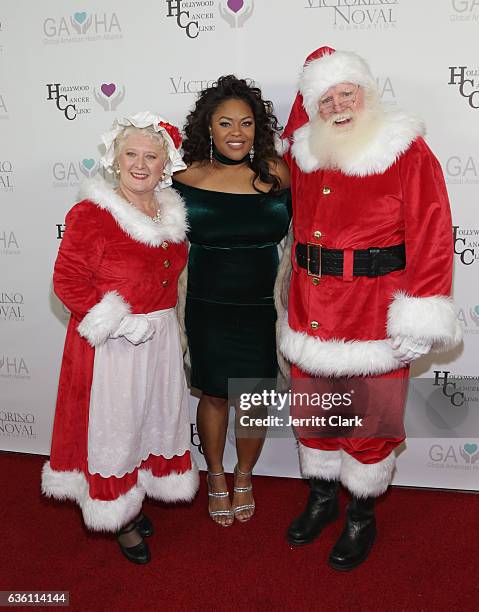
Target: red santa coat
<point x="392" y="193"/>
<point x="113" y="260"/>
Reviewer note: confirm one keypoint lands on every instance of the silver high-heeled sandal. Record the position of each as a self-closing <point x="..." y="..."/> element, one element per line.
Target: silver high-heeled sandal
<point x="247" y="489"/>
<point x="220" y="494"/>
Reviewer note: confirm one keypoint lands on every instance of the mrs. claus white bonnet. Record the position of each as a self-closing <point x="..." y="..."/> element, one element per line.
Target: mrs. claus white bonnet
<point x="170" y="133"/>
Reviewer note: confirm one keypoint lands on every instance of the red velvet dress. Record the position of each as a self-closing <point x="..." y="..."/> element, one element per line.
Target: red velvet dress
<point x="113" y="260"/>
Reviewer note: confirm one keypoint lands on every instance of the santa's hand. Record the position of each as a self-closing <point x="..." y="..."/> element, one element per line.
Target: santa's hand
<point x="135" y="329"/>
<point x="407" y="349"/>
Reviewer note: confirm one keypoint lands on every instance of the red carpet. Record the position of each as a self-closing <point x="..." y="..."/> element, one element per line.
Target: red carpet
<point x="425" y="557"/>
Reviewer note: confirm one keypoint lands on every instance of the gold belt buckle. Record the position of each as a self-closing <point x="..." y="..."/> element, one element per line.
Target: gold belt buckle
<point x="308" y="259"/>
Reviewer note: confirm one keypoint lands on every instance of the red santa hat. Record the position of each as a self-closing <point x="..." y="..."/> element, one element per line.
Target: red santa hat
<point x="323" y="69"/>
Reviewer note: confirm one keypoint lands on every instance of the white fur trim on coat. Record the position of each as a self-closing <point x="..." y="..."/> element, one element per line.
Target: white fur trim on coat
<point x="366" y="479"/>
<point x="112" y="515"/>
<point x="174" y="487"/>
<point x="331" y="69"/>
<point x="103" y="318"/>
<point x="433" y="319"/>
<point x="98" y="515"/>
<point x="336" y="357"/>
<point x="394" y="137"/>
<point x="317" y="463"/>
<point x="172" y="225"/>
<point x="63" y="485"/>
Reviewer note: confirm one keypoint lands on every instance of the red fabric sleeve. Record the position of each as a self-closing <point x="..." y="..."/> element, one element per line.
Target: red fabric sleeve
<point x="428" y="225"/>
<point x="78" y="259"/>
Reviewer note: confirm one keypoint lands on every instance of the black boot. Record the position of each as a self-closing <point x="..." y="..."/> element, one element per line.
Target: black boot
<point x="358" y="535"/>
<point x="322" y="508"/>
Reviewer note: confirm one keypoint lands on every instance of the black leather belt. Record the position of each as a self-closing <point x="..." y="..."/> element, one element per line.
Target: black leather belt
<point x="366" y="262"/>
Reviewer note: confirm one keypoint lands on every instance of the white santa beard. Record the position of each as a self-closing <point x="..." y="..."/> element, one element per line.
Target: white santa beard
<point x="338" y="146"/>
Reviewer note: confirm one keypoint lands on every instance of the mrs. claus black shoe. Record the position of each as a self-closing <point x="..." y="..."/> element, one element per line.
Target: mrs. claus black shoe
<point x="144" y="526"/>
<point x="140" y="553"/>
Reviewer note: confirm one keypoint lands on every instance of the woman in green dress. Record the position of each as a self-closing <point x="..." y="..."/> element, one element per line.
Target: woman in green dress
<point x="238" y="202"/>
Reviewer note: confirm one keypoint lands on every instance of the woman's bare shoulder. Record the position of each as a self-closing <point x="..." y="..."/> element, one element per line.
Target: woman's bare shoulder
<point x="193" y="174"/>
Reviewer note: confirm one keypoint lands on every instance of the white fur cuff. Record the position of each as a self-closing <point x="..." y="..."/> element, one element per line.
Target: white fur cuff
<point x="172" y="488"/>
<point x="433" y="319"/>
<point x="336" y="357"/>
<point x="98" y="515"/>
<point x="103" y="318"/>
<point x="317" y="463"/>
<point x="366" y="479"/>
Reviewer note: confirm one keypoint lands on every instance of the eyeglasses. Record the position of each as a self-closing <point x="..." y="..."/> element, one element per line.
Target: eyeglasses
<point x="344" y="99"/>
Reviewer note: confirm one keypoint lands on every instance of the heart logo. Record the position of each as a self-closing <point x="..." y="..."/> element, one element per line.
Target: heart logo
<point x="235" y="5"/>
<point x="108" y="89"/>
<point x="79" y="17"/>
<point x="470" y="448"/>
<point x="88" y="163"/>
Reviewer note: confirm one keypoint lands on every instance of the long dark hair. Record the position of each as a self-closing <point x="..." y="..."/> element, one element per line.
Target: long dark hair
<point x="196" y="145"/>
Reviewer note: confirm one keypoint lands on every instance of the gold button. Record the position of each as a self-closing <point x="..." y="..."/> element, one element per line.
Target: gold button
<point x="167" y="263"/>
<point x="314" y="325"/>
<point x="315" y="281"/>
<point x="326" y="190"/>
<point x="164" y="283"/>
<point x="164" y="245"/>
<point x="317" y="234"/>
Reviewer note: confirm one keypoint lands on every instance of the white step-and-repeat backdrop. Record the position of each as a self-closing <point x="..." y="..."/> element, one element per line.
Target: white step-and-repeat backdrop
<point x="67" y="68"/>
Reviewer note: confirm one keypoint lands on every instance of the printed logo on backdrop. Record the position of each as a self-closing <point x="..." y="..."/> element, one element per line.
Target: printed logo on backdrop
<point x="17" y="424"/>
<point x="466" y="80"/>
<point x="465" y="10"/>
<point x="386" y="91"/>
<point x="6" y="175"/>
<point x="466" y="244"/>
<point x="195" y="438"/>
<point x="458" y="456"/>
<point x="14" y="367"/>
<point x="11" y="306"/>
<point x="9" y="244"/>
<point x="2" y="30"/>
<point x="77" y="100"/>
<point x="69" y="173"/>
<point x="181" y="85"/>
<point x="60" y="230"/>
<point x="459" y="389"/>
<point x="462" y="170"/>
<point x="358" y="14"/>
<point x="236" y="12"/>
<point x="192" y="17"/>
<point x="3" y="108"/>
<point x="81" y="27"/>
<point x="468" y="317"/>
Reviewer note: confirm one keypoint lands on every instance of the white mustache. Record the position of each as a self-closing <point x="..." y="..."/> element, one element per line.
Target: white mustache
<point x="340" y="117"/>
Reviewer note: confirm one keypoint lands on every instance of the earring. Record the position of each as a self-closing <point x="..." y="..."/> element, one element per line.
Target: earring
<point x="251" y="155"/>
<point x="117" y="170"/>
<point x="211" y="149"/>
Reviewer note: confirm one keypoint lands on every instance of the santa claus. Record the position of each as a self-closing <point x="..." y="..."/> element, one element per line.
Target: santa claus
<point x="371" y="274"/>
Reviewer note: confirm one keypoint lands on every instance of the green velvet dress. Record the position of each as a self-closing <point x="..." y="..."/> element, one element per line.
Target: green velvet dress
<point x="233" y="261"/>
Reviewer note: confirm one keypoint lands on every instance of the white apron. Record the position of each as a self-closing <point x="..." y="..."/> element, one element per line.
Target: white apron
<point x="139" y="400"/>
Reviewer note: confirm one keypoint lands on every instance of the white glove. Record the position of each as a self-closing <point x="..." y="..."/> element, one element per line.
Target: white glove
<point x="134" y="328"/>
<point x="407" y="349"/>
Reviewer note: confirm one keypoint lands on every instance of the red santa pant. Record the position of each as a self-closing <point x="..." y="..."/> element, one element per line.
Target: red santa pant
<point x="363" y="463"/>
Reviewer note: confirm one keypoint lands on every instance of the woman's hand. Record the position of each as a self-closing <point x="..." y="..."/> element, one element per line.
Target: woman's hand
<point x="136" y="329"/>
